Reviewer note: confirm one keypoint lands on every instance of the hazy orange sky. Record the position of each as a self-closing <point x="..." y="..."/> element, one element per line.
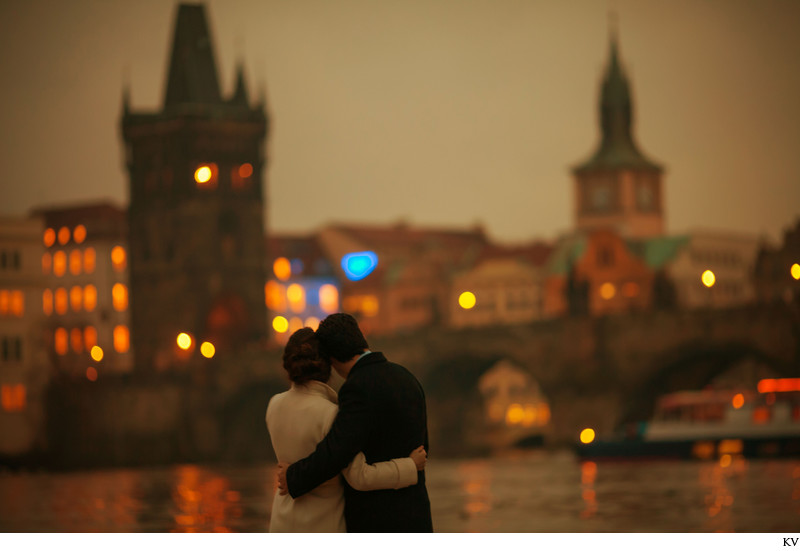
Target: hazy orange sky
<point x="437" y="112"/>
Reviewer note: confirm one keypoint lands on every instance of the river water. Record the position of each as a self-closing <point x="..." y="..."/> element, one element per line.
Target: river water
<point x="532" y="491"/>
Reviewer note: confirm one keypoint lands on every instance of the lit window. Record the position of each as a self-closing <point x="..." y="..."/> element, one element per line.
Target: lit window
<point x="76" y="298"/>
<point x="61" y="301"/>
<point x="297" y="297"/>
<point x="13" y="397"/>
<point x="59" y="263"/>
<point x="207" y="350"/>
<point x="312" y="322"/>
<point x="240" y="175"/>
<point x="89" y="298"/>
<point x="61" y="341"/>
<point x="184" y="341"/>
<point x="47" y="263"/>
<point x="607" y="291"/>
<point x="206" y="175"/>
<point x="79" y="233"/>
<point x="89" y="337"/>
<point x="119" y="296"/>
<point x="329" y="298"/>
<point x="118" y="258"/>
<point x="275" y="296"/>
<point x="369" y="306"/>
<point x="97" y="353"/>
<point x="17" y="304"/>
<point x="76" y="340"/>
<point x="75" y="258"/>
<point x="47" y="302"/>
<point x="295" y="324"/>
<point x="282" y="268"/>
<point x="49" y="237"/>
<point x="63" y="235"/>
<point x="122" y="339"/>
<point x="630" y="289"/>
<point x="89" y="260"/>
<point x="5" y="300"/>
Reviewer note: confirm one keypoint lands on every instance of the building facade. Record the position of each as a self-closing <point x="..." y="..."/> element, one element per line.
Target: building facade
<point x="24" y="366"/>
<point x="777" y="269"/>
<point x="86" y="300"/>
<point x="507" y="286"/>
<point x="196" y="212"/>
<point x="729" y="256"/>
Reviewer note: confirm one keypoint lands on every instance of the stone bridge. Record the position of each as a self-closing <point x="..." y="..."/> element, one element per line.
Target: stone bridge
<point x="596" y="372"/>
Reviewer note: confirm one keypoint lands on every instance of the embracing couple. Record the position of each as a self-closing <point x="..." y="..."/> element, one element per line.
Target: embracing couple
<point x="358" y="466"/>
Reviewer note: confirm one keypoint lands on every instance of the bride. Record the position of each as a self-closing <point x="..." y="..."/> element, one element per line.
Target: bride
<point x="298" y="420"/>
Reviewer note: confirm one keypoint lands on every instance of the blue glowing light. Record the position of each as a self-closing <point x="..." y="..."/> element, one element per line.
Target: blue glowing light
<point x="359" y="265"/>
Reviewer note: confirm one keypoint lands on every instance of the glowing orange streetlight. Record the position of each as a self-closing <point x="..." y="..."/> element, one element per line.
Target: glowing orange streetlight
<point x="467" y="300"/>
<point x="207" y="350"/>
<point x="587" y="436"/>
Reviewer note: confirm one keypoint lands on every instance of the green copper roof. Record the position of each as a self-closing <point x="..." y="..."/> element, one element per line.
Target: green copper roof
<point x="658" y="251"/>
<point x="567" y="251"/>
<point x="617" y="148"/>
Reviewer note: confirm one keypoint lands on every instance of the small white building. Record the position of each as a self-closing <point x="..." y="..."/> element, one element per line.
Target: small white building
<point x="507" y="285"/>
<point x="729" y="256"/>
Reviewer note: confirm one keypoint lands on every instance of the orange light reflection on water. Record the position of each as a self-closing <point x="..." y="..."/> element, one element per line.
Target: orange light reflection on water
<point x="588" y="492"/>
<point x="204" y="501"/>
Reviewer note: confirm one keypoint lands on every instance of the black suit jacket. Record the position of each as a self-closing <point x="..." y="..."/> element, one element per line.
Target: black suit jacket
<point x="382" y="413"/>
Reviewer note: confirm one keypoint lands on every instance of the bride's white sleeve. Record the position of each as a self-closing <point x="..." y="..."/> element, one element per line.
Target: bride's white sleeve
<point x="384" y="475"/>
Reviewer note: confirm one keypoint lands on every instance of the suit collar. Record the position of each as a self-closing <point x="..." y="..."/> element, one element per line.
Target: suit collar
<point x="369" y="359"/>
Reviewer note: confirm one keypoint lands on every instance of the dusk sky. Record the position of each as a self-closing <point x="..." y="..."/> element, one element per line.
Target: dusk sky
<point x="436" y="112"/>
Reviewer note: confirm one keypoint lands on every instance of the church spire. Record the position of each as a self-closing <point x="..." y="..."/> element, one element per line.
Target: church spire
<point x="192" y="76"/>
<point x="240" y="96"/>
<point x="617" y="146"/>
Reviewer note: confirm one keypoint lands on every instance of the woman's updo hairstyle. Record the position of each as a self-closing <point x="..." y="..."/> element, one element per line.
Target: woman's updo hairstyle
<point x="301" y="358"/>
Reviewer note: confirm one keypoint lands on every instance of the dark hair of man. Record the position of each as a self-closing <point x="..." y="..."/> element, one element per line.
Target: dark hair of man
<point x="340" y="337"/>
<point x="302" y="360"/>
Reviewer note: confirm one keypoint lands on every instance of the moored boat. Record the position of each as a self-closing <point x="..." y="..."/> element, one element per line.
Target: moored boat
<point x="709" y="424"/>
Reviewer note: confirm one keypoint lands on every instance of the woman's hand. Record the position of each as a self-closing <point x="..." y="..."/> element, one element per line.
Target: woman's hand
<point x="420" y="457"/>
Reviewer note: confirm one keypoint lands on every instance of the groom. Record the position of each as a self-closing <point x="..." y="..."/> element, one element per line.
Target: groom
<point x="382" y="413"/>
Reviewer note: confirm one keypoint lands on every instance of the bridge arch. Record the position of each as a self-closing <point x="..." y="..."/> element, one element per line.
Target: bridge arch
<point x="693" y="367"/>
<point x="477" y="403"/>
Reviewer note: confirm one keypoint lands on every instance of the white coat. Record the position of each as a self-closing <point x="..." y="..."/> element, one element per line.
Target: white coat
<point x="298" y="420"/>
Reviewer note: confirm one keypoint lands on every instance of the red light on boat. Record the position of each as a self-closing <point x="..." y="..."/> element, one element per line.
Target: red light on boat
<point x="778" y="385"/>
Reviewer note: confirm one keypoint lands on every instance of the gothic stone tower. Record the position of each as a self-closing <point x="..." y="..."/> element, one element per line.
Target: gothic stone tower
<point x="618" y="187"/>
<point x="196" y="220"/>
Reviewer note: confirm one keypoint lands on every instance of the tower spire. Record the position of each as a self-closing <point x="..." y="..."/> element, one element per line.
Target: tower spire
<point x="617" y="146"/>
<point x="240" y="96"/>
<point x="192" y="76"/>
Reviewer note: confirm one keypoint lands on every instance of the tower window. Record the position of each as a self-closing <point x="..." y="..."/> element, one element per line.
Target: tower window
<point x="205" y="175"/>
<point x="605" y="256"/>
<point x="241" y="176"/>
